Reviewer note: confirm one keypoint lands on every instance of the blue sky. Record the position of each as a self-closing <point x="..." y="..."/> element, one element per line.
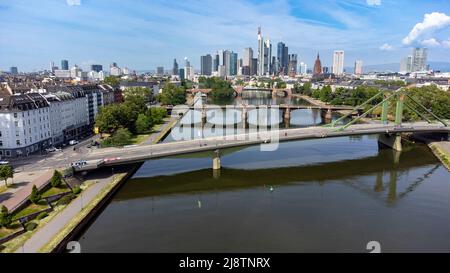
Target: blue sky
<point x="144" y="34"/>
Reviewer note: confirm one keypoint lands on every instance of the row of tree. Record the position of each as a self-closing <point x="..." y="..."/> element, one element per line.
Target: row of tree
<point x="221" y="90"/>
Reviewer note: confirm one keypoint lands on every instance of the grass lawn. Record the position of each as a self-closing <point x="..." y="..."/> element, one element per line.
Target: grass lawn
<point x="3" y="188"/>
<point x="14" y="227"/>
<point x="56" y="190"/>
<point x="32" y="208"/>
<point x="138" y="139"/>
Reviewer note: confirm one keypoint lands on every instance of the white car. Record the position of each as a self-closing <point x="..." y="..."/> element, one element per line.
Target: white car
<point x="73" y="142"/>
<point x="4" y="162"/>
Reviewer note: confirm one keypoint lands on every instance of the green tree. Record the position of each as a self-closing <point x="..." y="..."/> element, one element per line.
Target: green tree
<point x="35" y="195"/>
<point x="5" y="217"/>
<point x="56" y="179"/>
<point x="172" y="95"/>
<point x="156" y="115"/>
<point x="121" y="137"/>
<point x="111" y="80"/>
<point x="143" y="124"/>
<point x="6" y="172"/>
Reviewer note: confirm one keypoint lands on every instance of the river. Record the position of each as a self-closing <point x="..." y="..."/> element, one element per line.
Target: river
<point x="332" y="195"/>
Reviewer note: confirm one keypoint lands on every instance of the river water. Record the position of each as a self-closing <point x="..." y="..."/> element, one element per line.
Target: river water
<point x="332" y="195"/>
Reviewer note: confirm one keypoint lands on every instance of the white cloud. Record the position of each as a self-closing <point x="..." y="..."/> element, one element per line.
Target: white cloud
<point x="374" y="2"/>
<point x="73" y="2"/>
<point x="386" y="47"/>
<point x="431" y="23"/>
<point x="432" y="42"/>
<point x="446" y="43"/>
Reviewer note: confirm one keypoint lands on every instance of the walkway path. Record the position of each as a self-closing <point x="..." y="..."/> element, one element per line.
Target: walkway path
<point x="47" y="232"/>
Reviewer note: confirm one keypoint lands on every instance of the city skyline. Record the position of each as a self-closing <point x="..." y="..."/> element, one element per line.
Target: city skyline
<point x="149" y="39"/>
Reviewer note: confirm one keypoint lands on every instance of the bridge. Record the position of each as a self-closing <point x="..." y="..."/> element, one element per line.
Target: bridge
<point x="389" y="134"/>
<point x="119" y="156"/>
<point x="325" y="110"/>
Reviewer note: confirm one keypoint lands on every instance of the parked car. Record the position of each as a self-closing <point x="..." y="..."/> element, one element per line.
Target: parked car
<point x="52" y="149"/>
<point x="73" y="142"/>
<point x="3" y="162"/>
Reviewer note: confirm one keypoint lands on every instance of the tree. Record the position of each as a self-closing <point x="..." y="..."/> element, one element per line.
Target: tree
<point x="6" y="172"/>
<point x="172" y="95"/>
<point x="111" y="80"/>
<point x="56" y="179"/>
<point x="5" y="217"/>
<point x="156" y="115"/>
<point x="121" y="137"/>
<point x="35" y="195"/>
<point x="143" y="124"/>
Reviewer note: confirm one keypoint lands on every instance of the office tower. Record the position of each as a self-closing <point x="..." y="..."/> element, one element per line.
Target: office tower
<point x="292" y="67"/>
<point x="280" y="58"/>
<point x="188" y="69"/>
<point x="216" y="62"/>
<point x="267" y="57"/>
<point x="181" y="74"/>
<point x="303" y="68"/>
<point x="13" y="70"/>
<point x="406" y="64"/>
<point x="226" y="57"/>
<point x="420" y="56"/>
<point x="233" y="69"/>
<point x="358" y="67"/>
<point x="96" y="67"/>
<point x="325" y="70"/>
<point x="175" y="67"/>
<point x="338" y="62"/>
<point x="317" y="66"/>
<point x="248" y="56"/>
<point x="254" y="67"/>
<point x="206" y="65"/>
<point x="113" y="65"/>
<point x="247" y="61"/>
<point x="52" y="67"/>
<point x="261" y="49"/>
<point x="274" y="66"/>
<point x="64" y="65"/>
<point x="160" y="71"/>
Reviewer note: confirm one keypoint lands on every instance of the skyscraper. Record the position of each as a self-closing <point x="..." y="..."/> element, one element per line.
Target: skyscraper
<point x="160" y="71"/>
<point x="216" y="62"/>
<point x="282" y="59"/>
<point x="406" y="64"/>
<point x="247" y="61"/>
<point x="233" y="64"/>
<point x="419" y="62"/>
<point x="261" y="49"/>
<point x="358" y="67"/>
<point x="13" y="70"/>
<point x="64" y="65"/>
<point x="317" y="66"/>
<point x="96" y="67"/>
<point x="338" y="62"/>
<point x="206" y="65"/>
<point x="267" y="57"/>
<point x="175" y="67"/>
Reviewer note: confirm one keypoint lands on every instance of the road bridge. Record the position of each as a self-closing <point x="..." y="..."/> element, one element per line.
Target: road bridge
<point x="389" y="135"/>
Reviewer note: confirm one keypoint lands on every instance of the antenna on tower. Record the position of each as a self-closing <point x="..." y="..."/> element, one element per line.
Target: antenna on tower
<point x="259" y="30"/>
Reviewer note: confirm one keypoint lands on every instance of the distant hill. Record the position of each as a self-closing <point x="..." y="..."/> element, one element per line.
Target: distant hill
<point x="395" y="67"/>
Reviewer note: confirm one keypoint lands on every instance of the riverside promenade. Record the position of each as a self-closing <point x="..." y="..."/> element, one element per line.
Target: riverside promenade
<point x="102" y="183"/>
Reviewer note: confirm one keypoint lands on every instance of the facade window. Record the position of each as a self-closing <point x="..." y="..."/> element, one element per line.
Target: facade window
<point x="1" y="143"/>
<point x="15" y="115"/>
<point x="0" y="133"/>
<point x="18" y="142"/>
<point x="16" y="123"/>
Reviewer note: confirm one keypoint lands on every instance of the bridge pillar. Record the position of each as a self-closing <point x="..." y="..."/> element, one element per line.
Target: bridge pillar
<point x="326" y="115"/>
<point x="399" y="109"/>
<point x="392" y="141"/>
<point x="204" y="115"/>
<point x="287" y="116"/>
<point x="216" y="160"/>
<point x="244" y="117"/>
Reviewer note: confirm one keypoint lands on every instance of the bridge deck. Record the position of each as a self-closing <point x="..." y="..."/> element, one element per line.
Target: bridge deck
<point x="119" y="156"/>
<point x="249" y="107"/>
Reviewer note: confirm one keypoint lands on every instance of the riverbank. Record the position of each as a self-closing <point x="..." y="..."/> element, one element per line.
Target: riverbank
<point x="442" y="151"/>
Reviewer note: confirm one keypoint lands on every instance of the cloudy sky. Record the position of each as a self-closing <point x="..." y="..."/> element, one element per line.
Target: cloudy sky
<point x="144" y="34"/>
